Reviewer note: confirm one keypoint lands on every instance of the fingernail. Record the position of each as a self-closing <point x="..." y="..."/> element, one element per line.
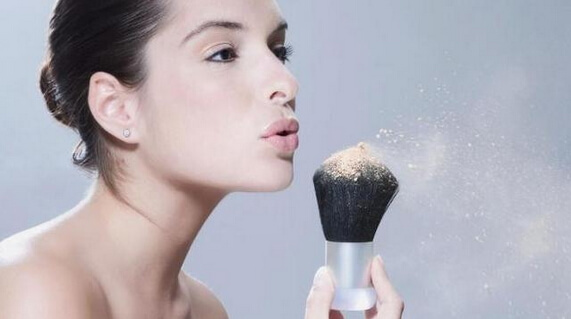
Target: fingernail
<point x="320" y="278"/>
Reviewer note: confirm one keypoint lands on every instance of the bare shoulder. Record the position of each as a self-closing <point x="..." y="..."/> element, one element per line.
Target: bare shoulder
<point x="40" y="286"/>
<point x="204" y="302"/>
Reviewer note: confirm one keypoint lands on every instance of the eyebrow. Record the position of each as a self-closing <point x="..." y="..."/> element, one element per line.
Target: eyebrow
<point x="230" y="25"/>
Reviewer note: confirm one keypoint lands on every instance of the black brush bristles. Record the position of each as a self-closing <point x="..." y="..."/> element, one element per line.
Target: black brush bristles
<point x="353" y="190"/>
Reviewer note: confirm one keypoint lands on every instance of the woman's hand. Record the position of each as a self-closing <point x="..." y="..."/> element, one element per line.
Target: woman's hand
<point x="389" y="303"/>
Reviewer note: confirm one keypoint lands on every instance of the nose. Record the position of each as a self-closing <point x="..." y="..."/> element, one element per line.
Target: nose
<point x="283" y="86"/>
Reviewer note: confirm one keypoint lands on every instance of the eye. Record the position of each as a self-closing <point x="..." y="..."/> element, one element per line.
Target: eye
<point x="284" y="52"/>
<point x="227" y="55"/>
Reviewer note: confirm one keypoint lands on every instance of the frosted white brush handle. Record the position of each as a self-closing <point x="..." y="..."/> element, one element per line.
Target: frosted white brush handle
<point x="350" y="266"/>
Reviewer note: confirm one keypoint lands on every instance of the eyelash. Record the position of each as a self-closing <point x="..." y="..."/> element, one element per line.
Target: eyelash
<point x="286" y="50"/>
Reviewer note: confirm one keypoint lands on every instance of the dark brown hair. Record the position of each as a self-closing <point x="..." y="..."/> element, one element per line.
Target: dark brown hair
<point x="87" y="36"/>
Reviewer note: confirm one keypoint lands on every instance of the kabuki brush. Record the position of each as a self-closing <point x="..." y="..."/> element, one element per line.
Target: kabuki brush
<point x="353" y="190"/>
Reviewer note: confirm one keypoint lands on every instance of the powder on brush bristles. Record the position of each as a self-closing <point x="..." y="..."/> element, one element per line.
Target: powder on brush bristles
<point x="353" y="189"/>
<point x="350" y="163"/>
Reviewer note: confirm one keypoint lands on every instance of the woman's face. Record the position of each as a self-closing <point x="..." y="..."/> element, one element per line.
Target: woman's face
<point x="209" y="97"/>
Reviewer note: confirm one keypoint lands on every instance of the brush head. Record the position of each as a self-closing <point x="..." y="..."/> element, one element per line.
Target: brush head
<point x="353" y="190"/>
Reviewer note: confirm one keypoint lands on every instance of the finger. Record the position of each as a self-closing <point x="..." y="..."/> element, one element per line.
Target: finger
<point x="335" y="314"/>
<point x="320" y="296"/>
<point x="385" y="290"/>
<point x="371" y="313"/>
<point x="390" y="304"/>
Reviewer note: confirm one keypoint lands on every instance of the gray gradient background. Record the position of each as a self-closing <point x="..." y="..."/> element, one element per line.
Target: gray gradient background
<point x="468" y="102"/>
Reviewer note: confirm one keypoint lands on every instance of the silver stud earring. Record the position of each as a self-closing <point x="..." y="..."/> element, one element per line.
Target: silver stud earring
<point x="126" y="132"/>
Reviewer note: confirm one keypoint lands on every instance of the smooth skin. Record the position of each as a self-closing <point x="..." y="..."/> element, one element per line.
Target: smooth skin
<point x="196" y="126"/>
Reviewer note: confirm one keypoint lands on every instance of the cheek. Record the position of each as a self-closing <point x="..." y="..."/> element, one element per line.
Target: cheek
<point x="203" y="126"/>
<point x="202" y="130"/>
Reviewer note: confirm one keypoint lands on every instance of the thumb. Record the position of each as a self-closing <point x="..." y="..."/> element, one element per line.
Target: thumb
<point x="320" y="296"/>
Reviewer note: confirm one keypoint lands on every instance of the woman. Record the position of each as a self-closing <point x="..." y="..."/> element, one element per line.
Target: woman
<point x="178" y="103"/>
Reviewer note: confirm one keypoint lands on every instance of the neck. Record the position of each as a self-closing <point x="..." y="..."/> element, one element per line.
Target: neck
<point x="148" y="233"/>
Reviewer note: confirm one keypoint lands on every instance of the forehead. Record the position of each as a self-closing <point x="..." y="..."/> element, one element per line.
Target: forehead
<point x="254" y="14"/>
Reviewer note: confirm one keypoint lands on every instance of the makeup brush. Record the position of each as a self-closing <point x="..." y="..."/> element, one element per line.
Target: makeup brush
<point x="353" y="190"/>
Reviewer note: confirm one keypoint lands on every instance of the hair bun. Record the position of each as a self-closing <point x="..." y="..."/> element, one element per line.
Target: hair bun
<point x="48" y="86"/>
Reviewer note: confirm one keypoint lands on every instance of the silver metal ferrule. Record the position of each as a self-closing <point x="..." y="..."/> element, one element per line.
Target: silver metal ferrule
<point x="350" y="266"/>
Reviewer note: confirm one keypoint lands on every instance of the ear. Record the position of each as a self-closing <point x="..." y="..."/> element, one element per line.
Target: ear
<point x="113" y="106"/>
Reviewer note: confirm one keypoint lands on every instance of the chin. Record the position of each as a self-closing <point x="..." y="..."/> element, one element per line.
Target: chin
<point x="278" y="185"/>
<point x="270" y="180"/>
